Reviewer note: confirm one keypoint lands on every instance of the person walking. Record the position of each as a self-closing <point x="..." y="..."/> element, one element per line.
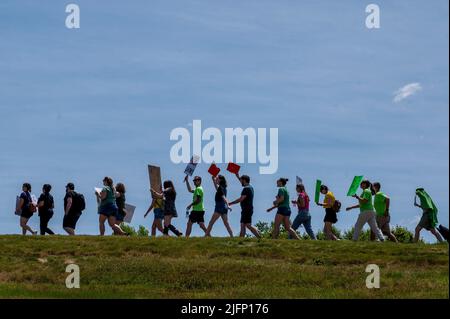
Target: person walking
<point x="157" y="205"/>
<point x="73" y="207"/>
<point x="330" y="214"/>
<point x="46" y="205"/>
<point x="107" y="208"/>
<point x="168" y="196"/>
<point x="282" y="203"/>
<point x="367" y="214"/>
<point x="381" y="203"/>
<point x="26" y="208"/>
<point x="120" y="202"/>
<point x="429" y="219"/>
<point x="246" y="202"/>
<point x="303" y="217"/>
<point x="221" y="208"/>
<point x="197" y="215"/>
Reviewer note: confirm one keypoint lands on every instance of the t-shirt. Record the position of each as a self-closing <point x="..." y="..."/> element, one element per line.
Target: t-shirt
<point x="329" y="198"/>
<point x="305" y="198"/>
<point x="379" y="202"/>
<point x="247" y="203"/>
<point x="110" y="197"/>
<point x="120" y="202"/>
<point x="366" y="194"/>
<point x="26" y="201"/>
<point x="159" y="203"/>
<point x="169" y="201"/>
<point x="198" y="194"/>
<point x="221" y="191"/>
<point x="48" y="204"/>
<point x="283" y="192"/>
<point x="70" y="195"/>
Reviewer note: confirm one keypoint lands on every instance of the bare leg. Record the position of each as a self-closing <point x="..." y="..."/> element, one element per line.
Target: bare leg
<point x="227" y="225"/>
<point x="437" y="235"/>
<point x="101" y="223"/>
<point x="116" y="228"/>
<point x="417" y="234"/>
<point x="214" y="218"/>
<point x="159" y="225"/>
<point x="287" y="225"/>
<point x="253" y="230"/>
<point x="328" y="230"/>
<point x="25" y="227"/>
<point x="242" y="232"/>
<point x="276" y="225"/>
<point x="203" y="227"/>
<point x="188" y="229"/>
<point x="154" y="228"/>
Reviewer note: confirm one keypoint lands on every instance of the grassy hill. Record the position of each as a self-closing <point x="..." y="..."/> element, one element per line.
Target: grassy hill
<point x="113" y="267"/>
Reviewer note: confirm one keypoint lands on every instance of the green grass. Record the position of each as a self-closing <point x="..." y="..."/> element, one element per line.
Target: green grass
<point x="114" y="267"/>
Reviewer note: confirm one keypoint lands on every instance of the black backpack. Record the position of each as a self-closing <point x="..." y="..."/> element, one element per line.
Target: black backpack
<point x="337" y="206"/>
<point x="79" y="203"/>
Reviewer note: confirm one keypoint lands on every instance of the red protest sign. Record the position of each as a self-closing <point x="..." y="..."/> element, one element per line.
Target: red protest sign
<point x="213" y="170"/>
<point x="233" y="168"/>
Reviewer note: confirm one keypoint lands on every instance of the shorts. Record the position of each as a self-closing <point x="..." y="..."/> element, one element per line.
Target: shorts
<point x="26" y="214"/>
<point x="221" y="208"/>
<point x="159" y="213"/>
<point x="284" y="211"/>
<point x="171" y="213"/>
<point x="383" y="224"/>
<point x="425" y="221"/>
<point x="246" y="216"/>
<point x="70" y="220"/>
<point x="108" y="210"/>
<point x="330" y="216"/>
<point x="197" y="217"/>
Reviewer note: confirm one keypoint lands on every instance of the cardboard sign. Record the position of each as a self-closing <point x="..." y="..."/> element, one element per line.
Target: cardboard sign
<point x="98" y="189"/>
<point x="190" y="168"/>
<point x="233" y="168"/>
<point x="214" y="170"/>
<point x="298" y="180"/>
<point x="130" y="212"/>
<point x="154" y="176"/>
<point x="317" y="194"/>
<point x="354" y="186"/>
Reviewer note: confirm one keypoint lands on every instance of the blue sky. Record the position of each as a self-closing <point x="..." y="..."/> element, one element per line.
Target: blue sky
<point x="77" y="105"/>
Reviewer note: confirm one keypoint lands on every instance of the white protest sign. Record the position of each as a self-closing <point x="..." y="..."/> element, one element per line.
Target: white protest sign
<point x="190" y="168"/>
<point x="130" y="212"/>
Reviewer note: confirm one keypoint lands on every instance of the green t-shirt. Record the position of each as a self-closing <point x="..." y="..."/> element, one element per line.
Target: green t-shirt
<point x="282" y="191"/>
<point x="198" y="193"/>
<point x="366" y="194"/>
<point x="110" y="196"/>
<point x="379" y="202"/>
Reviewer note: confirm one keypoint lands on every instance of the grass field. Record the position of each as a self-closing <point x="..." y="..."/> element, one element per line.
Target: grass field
<point x="113" y="267"/>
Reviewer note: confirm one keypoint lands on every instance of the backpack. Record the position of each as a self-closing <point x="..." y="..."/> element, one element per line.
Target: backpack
<point x="79" y="203"/>
<point x="337" y="206"/>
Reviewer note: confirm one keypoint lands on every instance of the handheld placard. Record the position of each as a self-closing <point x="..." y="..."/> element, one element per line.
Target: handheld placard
<point x="154" y="176"/>
<point x="317" y="194"/>
<point x="214" y="170"/>
<point x="354" y="186"/>
<point x="190" y="168"/>
<point x="130" y="212"/>
<point x="233" y="168"/>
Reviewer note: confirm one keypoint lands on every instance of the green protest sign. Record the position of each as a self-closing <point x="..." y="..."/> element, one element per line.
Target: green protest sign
<point x="317" y="196"/>
<point x="354" y="186"/>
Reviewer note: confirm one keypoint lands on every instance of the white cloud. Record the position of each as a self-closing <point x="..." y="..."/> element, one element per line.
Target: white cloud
<point x="407" y="90"/>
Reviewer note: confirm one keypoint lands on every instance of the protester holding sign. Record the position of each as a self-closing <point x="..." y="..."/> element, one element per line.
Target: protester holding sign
<point x="381" y="203"/>
<point x="168" y="195"/>
<point x="282" y="203"/>
<point x="158" y="210"/>
<point x="46" y="205"/>
<point x="246" y="202"/>
<point x="27" y="208"/>
<point x="221" y="208"/>
<point x="197" y="215"/>
<point x="120" y="202"/>
<point x="330" y="212"/>
<point x="107" y="209"/>
<point x="367" y="214"/>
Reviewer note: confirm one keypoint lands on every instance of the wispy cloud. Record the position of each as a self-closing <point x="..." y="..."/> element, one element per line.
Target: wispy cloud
<point x="407" y="90"/>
